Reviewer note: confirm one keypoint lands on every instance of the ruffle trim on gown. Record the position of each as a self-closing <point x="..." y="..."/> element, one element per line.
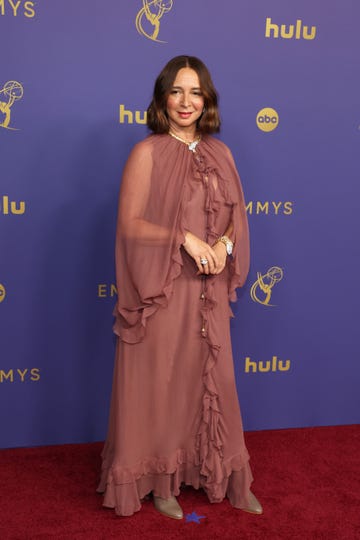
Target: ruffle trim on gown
<point x="210" y="435"/>
<point x="203" y="169"/>
<point x="124" y="489"/>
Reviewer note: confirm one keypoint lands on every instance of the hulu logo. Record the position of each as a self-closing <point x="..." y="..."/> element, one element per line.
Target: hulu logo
<point x="11" y="207"/>
<point x="127" y="117"/>
<point x="269" y="366"/>
<point x="289" y="31"/>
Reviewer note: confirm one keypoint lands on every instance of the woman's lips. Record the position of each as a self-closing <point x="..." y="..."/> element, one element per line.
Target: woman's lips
<point x="184" y="115"/>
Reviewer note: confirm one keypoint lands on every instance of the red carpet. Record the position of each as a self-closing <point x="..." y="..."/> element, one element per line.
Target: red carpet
<point x="308" y="481"/>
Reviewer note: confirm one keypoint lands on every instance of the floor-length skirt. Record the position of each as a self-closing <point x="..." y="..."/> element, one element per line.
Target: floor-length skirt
<point x="175" y="414"/>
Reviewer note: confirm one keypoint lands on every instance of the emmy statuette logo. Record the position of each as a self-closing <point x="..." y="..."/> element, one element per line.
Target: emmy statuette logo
<point x="2" y="293"/>
<point x="11" y="92"/>
<point x="148" y="18"/>
<point x="261" y="290"/>
<point x="267" y="119"/>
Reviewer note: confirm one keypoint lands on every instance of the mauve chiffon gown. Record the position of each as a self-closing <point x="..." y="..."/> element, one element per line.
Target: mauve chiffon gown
<point x="174" y="415"/>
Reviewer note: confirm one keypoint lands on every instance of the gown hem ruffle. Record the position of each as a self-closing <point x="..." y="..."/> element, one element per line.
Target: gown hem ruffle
<point x="124" y="490"/>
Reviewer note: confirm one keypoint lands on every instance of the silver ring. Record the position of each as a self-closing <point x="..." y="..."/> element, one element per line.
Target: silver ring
<point x="203" y="261"/>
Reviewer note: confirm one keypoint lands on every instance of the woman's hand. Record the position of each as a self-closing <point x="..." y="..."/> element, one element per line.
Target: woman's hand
<point x="197" y="249"/>
<point x="220" y="249"/>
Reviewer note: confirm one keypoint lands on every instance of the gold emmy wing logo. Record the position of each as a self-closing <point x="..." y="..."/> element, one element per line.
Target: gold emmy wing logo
<point x="2" y="293"/>
<point x="261" y="290"/>
<point x="267" y="119"/>
<point x="12" y="91"/>
<point x="148" y="19"/>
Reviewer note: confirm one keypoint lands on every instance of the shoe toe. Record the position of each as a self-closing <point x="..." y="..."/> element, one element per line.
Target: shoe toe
<point x="254" y="505"/>
<point x="168" y="507"/>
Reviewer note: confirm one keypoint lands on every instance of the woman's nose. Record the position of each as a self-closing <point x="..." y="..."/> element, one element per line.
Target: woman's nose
<point x="185" y="102"/>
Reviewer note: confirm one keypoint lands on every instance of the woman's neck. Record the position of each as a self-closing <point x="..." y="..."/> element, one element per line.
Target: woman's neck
<point x="186" y="134"/>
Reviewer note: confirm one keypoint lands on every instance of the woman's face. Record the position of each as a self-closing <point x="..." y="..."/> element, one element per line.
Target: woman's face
<point x="185" y="103"/>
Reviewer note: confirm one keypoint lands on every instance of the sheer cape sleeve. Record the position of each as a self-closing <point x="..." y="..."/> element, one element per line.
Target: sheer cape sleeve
<point x="150" y="229"/>
<point x="239" y="266"/>
<point x="148" y="237"/>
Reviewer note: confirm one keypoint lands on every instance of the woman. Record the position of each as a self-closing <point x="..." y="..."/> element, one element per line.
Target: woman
<point x="181" y="250"/>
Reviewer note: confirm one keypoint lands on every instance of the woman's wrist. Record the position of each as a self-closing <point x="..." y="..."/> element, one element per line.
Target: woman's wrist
<point x="225" y="240"/>
<point x="186" y="235"/>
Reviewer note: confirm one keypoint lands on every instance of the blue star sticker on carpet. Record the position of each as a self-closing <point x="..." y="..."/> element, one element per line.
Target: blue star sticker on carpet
<point x="193" y="518"/>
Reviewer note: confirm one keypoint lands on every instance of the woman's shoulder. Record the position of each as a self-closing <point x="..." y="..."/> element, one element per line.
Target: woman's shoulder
<point x="143" y="145"/>
<point x="149" y="152"/>
<point x="142" y="150"/>
<point x="147" y="145"/>
<point x="219" y="146"/>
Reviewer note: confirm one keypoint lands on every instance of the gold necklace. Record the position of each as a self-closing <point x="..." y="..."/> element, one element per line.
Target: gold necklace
<point x="191" y="145"/>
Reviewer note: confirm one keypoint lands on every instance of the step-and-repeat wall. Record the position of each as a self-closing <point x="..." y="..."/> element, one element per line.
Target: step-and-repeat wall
<point x="75" y="81"/>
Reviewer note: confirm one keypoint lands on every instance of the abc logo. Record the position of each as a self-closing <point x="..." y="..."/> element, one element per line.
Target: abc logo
<point x="2" y="293"/>
<point x="267" y="119"/>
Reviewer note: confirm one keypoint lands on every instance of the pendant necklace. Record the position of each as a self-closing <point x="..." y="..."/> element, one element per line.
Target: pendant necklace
<point x="191" y="145"/>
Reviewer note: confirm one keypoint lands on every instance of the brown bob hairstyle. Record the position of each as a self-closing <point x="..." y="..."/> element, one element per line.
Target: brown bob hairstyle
<point x="157" y="120"/>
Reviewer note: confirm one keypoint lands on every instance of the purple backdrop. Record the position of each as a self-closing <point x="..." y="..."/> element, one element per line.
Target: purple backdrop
<point x="75" y="80"/>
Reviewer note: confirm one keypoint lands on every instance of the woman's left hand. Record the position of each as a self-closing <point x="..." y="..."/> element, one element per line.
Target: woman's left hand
<point x="220" y="250"/>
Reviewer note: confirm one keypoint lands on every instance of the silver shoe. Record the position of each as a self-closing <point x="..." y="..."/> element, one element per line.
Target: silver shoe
<point x="168" y="507"/>
<point x="254" y="505"/>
